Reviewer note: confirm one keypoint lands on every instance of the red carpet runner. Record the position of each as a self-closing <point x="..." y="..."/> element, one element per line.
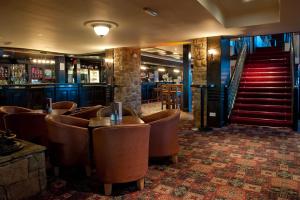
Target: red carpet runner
<point x="264" y="95"/>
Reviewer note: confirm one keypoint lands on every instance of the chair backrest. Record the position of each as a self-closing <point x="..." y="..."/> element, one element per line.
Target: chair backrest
<point x="163" y="135"/>
<point x="121" y="152"/>
<point x="162" y="115"/>
<point x="13" y="109"/>
<point x="28" y="126"/>
<point x="4" y="110"/>
<point x="70" y="105"/>
<point x="88" y="112"/>
<point x="68" y="140"/>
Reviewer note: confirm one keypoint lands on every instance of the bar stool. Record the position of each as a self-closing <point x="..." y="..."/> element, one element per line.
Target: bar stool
<point x="176" y="96"/>
<point x="165" y="96"/>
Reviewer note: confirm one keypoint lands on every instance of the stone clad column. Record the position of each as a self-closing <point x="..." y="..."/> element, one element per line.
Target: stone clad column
<point x="199" y="53"/>
<point x="127" y="63"/>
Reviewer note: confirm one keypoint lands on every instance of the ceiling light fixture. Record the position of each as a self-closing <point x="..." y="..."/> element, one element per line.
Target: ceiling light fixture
<point x="101" y="27"/>
<point x="143" y="68"/>
<point x="150" y="12"/>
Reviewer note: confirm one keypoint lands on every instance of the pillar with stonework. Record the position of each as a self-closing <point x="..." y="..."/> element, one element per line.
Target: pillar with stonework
<point x="199" y="53"/>
<point x="127" y="78"/>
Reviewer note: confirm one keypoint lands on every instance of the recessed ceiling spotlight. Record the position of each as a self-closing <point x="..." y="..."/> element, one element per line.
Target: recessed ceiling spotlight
<point x="150" y="12"/>
<point x="101" y="27"/>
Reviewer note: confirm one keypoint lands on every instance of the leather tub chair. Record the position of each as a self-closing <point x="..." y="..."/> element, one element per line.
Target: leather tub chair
<point x="28" y="126"/>
<point x="4" y="110"/>
<point x="88" y="112"/>
<point x="121" y="154"/>
<point x="68" y="142"/>
<point x="69" y="105"/>
<point x="163" y="134"/>
<point x="106" y="111"/>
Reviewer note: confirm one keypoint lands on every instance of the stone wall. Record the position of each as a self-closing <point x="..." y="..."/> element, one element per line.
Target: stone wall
<point x="23" y="174"/>
<point x="199" y="53"/>
<point x="127" y="63"/>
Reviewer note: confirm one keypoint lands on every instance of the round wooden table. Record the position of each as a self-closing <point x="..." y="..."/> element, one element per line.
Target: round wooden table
<point x="54" y="111"/>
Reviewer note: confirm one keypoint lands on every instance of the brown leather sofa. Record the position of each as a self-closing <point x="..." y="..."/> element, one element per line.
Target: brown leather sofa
<point x="88" y="112"/>
<point x="4" y="110"/>
<point x="106" y="112"/>
<point x="28" y="126"/>
<point x="68" y="141"/>
<point x="163" y="134"/>
<point x="121" y="154"/>
<point x="69" y="105"/>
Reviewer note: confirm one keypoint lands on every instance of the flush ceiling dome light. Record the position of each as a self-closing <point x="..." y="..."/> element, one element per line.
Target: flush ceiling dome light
<point x="101" y="27"/>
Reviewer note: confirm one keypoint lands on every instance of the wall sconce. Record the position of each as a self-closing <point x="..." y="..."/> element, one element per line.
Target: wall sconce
<point x="211" y="53"/>
<point x="161" y="69"/>
<point x="108" y="60"/>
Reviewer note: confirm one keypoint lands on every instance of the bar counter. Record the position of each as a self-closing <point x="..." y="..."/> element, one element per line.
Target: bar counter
<point x="34" y="95"/>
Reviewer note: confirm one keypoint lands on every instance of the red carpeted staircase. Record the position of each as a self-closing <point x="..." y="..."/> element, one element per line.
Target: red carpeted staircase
<point x="264" y="95"/>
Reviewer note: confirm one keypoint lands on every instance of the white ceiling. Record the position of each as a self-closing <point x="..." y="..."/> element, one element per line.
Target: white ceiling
<point x="57" y="25"/>
<point x="173" y="51"/>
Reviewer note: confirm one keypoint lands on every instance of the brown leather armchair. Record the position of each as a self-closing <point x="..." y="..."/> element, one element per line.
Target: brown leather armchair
<point x="121" y="154"/>
<point x="106" y="111"/>
<point x="28" y="126"/>
<point x="163" y="134"/>
<point x="69" y="105"/>
<point x="68" y="141"/>
<point x="88" y="112"/>
<point x="4" y="110"/>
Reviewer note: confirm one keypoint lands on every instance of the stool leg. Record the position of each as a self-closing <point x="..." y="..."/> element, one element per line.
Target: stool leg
<point x="175" y="159"/>
<point x="88" y="170"/>
<point x="141" y="183"/>
<point x="107" y="189"/>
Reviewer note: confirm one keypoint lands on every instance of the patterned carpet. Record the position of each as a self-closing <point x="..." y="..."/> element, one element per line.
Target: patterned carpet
<point x="232" y="163"/>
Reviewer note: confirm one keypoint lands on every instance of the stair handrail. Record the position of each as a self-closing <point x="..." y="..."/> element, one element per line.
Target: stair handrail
<point x="294" y="83"/>
<point x="233" y="86"/>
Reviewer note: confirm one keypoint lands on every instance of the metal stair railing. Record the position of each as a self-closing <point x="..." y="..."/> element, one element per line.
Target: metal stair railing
<point x="233" y="86"/>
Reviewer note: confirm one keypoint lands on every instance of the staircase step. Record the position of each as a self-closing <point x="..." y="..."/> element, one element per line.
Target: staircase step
<point x="261" y="114"/>
<point x="266" y="73"/>
<point x="267" y="69"/>
<point x="263" y="101"/>
<point x="264" y="65"/>
<point x="268" y="49"/>
<point x="258" y="56"/>
<point x="265" y="78"/>
<point x="266" y="84"/>
<point x="265" y="95"/>
<point x="258" y="107"/>
<point x="266" y="89"/>
<point x="277" y="61"/>
<point x="278" y="57"/>
<point x="261" y="122"/>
